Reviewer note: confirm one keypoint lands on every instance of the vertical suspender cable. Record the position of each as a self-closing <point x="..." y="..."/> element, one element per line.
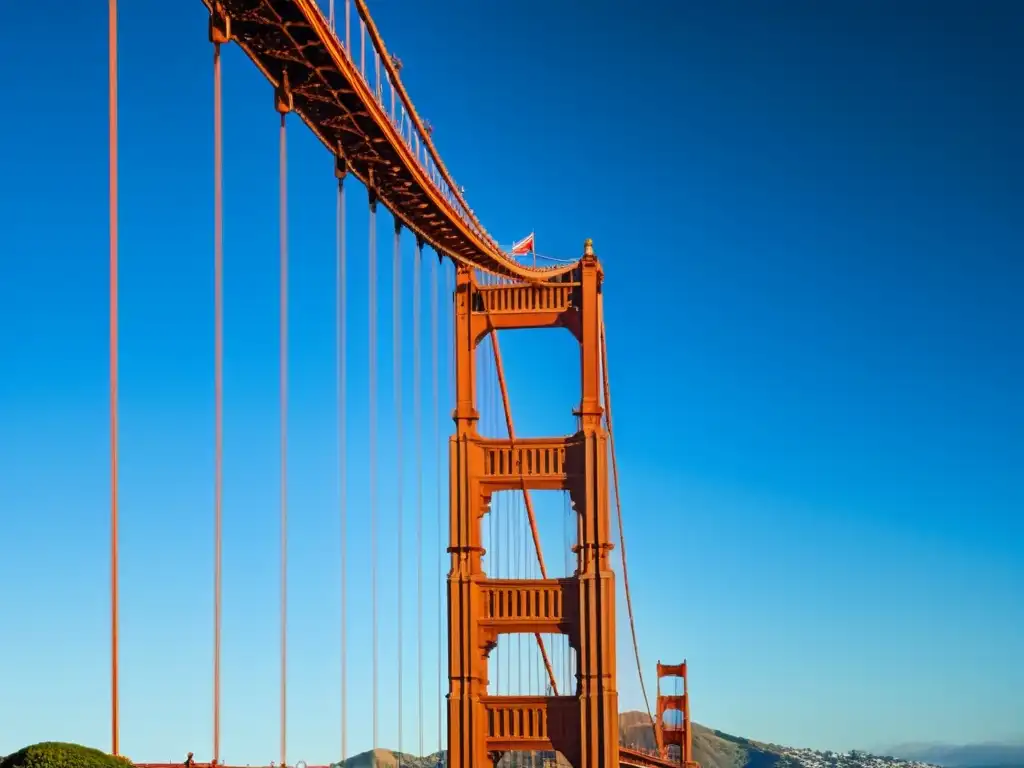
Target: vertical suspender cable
<point x="362" y="48"/>
<point x="396" y="373"/>
<point x="393" y="94"/>
<point x="435" y="332"/>
<point x="569" y="518"/>
<point x="450" y="346"/>
<point x="378" y="86"/>
<point x="567" y="557"/>
<point x="520" y="513"/>
<point x="527" y="499"/>
<point x="417" y="418"/>
<point x="372" y="376"/>
<point x="113" y="203"/>
<point x="218" y="386"/>
<point x="514" y="573"/>
<point x="509" y="543"/>
<point x="340" y="308"/>
<point x="283" y="210"/>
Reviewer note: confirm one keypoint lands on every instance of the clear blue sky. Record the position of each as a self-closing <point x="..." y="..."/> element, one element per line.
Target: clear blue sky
<point x="811" y="223"/>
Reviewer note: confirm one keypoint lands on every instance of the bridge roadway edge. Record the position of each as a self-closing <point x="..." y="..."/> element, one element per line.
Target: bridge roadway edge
<point x="628" y="758"/>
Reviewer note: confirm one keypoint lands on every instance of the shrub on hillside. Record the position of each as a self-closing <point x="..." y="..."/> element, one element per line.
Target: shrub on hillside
<point x="55" y="754"/>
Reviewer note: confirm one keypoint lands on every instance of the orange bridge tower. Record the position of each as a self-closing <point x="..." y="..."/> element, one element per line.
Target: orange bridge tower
<point x="581" y="724"/>
<point x="678" y="732"/>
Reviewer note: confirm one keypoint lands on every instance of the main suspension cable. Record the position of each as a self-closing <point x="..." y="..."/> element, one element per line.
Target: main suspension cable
<point x="618" y="500"/>
<point x="341" y="308"/>
<point x="283" y="210"/>
<point x="113" y="205"/>
<point x="372" y="303"/>
<point x="396" y="372"/>
<point x="218" y="376"/>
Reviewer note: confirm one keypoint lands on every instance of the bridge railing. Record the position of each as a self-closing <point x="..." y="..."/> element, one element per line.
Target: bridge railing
<point x="642" y="757"/>
<point x="383" y="79"/>
<point x="516" y="600"/>
<point x="514" y="459"/>
<point x="511" y="297"/>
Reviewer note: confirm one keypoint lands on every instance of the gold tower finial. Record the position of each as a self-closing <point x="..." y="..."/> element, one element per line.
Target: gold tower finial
<point x="588" y="247"/>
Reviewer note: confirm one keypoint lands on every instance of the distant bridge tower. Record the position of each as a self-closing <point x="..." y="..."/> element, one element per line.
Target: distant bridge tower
<point x="581" y="724"/>
<point x="678" y="732"/>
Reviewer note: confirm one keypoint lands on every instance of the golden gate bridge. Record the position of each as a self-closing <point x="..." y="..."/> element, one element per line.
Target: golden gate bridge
<point x="333" y="71"/>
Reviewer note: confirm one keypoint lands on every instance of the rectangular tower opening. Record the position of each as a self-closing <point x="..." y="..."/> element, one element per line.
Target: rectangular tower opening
<point x="516" y="666"/>
<point x="507" y="538"/>
<point x="541" y="369"/>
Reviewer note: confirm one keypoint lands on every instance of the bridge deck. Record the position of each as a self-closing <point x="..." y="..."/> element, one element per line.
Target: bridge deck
<point x="628" y="758"/>
<point x="636" y="758"/>
<point x="387" y="147"/>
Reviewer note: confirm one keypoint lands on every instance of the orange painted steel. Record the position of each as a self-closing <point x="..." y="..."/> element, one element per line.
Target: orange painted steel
<point x="396" y="369"/>
<point x="435" y="345"/>
<point x="342" y="369"/>
<point x="282" y="104"/>
<point x="675" y="734"/>
<point x="217" y="36"/>
<point x="582" y="726"/>
<point x="417" y="408"/>
<point x="318" y="77"/>
<point x="292" y="44"/>
<point x="372" y="441"/>
<point x="113" y="206"/>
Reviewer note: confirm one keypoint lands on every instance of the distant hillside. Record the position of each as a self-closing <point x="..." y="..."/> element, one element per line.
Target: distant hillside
<point x="712" y="749"/>
<point x="388" y="759"/>
<point x="715" y="749"/>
